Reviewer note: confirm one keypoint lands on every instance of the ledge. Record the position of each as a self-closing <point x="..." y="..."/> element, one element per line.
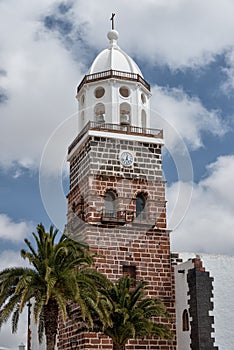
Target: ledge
<point x="108" y="74"/>
<point x="116" y="129"/>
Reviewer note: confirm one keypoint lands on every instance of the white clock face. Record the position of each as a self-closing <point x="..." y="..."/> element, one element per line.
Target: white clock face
<point x="126" y="158"/>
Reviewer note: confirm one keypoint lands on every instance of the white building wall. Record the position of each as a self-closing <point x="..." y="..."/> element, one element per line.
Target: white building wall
<point x="35" y="345"/>
<point x="181" y="289"/>
<point x="221" y="268"/>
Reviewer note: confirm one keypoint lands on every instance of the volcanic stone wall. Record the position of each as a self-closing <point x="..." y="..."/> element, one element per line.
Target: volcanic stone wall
<point x="200" y="305"/>
<point x="125" y="241"/>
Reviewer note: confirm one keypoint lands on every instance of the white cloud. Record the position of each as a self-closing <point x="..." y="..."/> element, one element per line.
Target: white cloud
<point x="208" y="223"/>
<point x="180" y="33"/>
<point x="13" y="231"/>
<point x="11" y="258"/>
<point x="41" y="74"/>
<point x="11" y="341"/>
<point x="179" y="114"/>
<point x="228" y="85"/>
<point x="40" y="81"/>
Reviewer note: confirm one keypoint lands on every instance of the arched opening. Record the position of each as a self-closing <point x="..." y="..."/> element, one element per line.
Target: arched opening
<point x="143" y="98"/>
<point x="141" y="206"/>
<point x="82" y="100"/>
<point x="143" y="119"/>
<point x="125" y="114"/>
<point x="185" y="321"/>
<point x="110" y="204"/>
<point x="99" y="111"/>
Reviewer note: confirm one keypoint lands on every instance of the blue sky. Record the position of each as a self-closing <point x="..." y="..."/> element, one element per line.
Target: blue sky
<point x="185" y="51"/>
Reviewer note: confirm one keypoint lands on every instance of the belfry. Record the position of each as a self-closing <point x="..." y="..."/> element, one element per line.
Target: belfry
<point x="117" y="191"/>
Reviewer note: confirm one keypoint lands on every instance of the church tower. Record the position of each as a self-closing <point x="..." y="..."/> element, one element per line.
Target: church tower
<point x="117" y="192"/>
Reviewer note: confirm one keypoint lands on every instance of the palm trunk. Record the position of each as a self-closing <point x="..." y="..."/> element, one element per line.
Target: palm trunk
<point x="117" y="346"/>
<point x="51" y="323"/>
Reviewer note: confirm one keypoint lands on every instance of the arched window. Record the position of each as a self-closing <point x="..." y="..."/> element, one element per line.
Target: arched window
<point x="125" y="114"/>
<point x="185" y="321"/>
<point x="140" y="206"/>
<point x="110" y="204"/>
<point x="143" y="119"/>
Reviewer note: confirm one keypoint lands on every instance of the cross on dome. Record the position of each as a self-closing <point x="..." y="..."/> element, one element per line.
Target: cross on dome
<point x="112" y="21"/>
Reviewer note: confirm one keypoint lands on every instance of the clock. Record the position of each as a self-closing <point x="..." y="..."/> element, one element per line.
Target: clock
<point x="126" y="158"/>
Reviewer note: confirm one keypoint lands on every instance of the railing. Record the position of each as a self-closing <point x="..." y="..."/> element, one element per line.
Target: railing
<point x="117" y="217"/>
<point x="113" y="216"/>
<point x="113" y="74"/>
<point x="127" y="216"/>
<point x="124" y="129"/>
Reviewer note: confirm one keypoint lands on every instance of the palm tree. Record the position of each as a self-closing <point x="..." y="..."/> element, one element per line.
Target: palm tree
<point x="131" y="314"/>
<point x="59" y="274"/>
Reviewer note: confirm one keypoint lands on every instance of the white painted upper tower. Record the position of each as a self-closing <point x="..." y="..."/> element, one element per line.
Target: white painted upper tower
<point x="114" y="90"/>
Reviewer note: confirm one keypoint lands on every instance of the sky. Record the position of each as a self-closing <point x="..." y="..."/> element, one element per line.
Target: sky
<point x="185" y="50"/>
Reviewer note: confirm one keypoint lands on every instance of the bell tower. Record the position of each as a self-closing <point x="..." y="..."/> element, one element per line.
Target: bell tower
<point x="114" y="91"/>
<point x="117" y="192"/>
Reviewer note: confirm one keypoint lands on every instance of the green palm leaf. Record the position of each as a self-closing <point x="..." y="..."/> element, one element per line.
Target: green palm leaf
<point x="58" y="275"/>
<point x="130" y="313"/>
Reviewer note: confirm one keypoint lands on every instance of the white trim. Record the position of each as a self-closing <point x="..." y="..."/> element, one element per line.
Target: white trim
<point x="118" y="136"/>
<point x="130" y="137"/>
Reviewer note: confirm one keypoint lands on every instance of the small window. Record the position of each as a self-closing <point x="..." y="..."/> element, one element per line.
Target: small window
<point x="124" y="91"/>
<point x="110" y="204"/>
<point x="143" y="98"/>
<point x="140" y="206"/>
<point x="185" y="321"/>
<point x="129" y="270"/>
<point x="99" y="92"/>
<point x="82" y="100"/>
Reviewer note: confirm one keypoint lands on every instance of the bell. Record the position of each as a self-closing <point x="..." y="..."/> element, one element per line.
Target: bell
<point x="21" y="346"/>
<point x="100" y="118"/>
<point x="124" y="119"/>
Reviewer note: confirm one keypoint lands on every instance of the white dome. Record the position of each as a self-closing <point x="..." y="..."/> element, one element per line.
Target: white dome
<point x="114" y="58"/>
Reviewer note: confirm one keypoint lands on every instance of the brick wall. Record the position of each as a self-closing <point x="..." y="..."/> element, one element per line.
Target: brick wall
<point x="144" y="244"/>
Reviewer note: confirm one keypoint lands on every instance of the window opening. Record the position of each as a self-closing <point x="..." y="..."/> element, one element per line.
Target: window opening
<point x="129" y="270"/>
<point x="124" y="91"/>
<point x="143" y="98"/>
<point x="99" y="92"/>
<point x="140" y="206"/>
<point x="99" y="111"/>
<point x="125" y="114"/>
<point x="143" y="119"/>
<point x="185" y="321"/>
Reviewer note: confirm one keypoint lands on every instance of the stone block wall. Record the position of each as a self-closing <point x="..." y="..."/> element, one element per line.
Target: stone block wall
<point x="100" y="156"/>
<point x="200" y="305"/>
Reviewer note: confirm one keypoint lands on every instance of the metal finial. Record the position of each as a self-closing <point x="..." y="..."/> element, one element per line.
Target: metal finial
<point x="112" y="21"/>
